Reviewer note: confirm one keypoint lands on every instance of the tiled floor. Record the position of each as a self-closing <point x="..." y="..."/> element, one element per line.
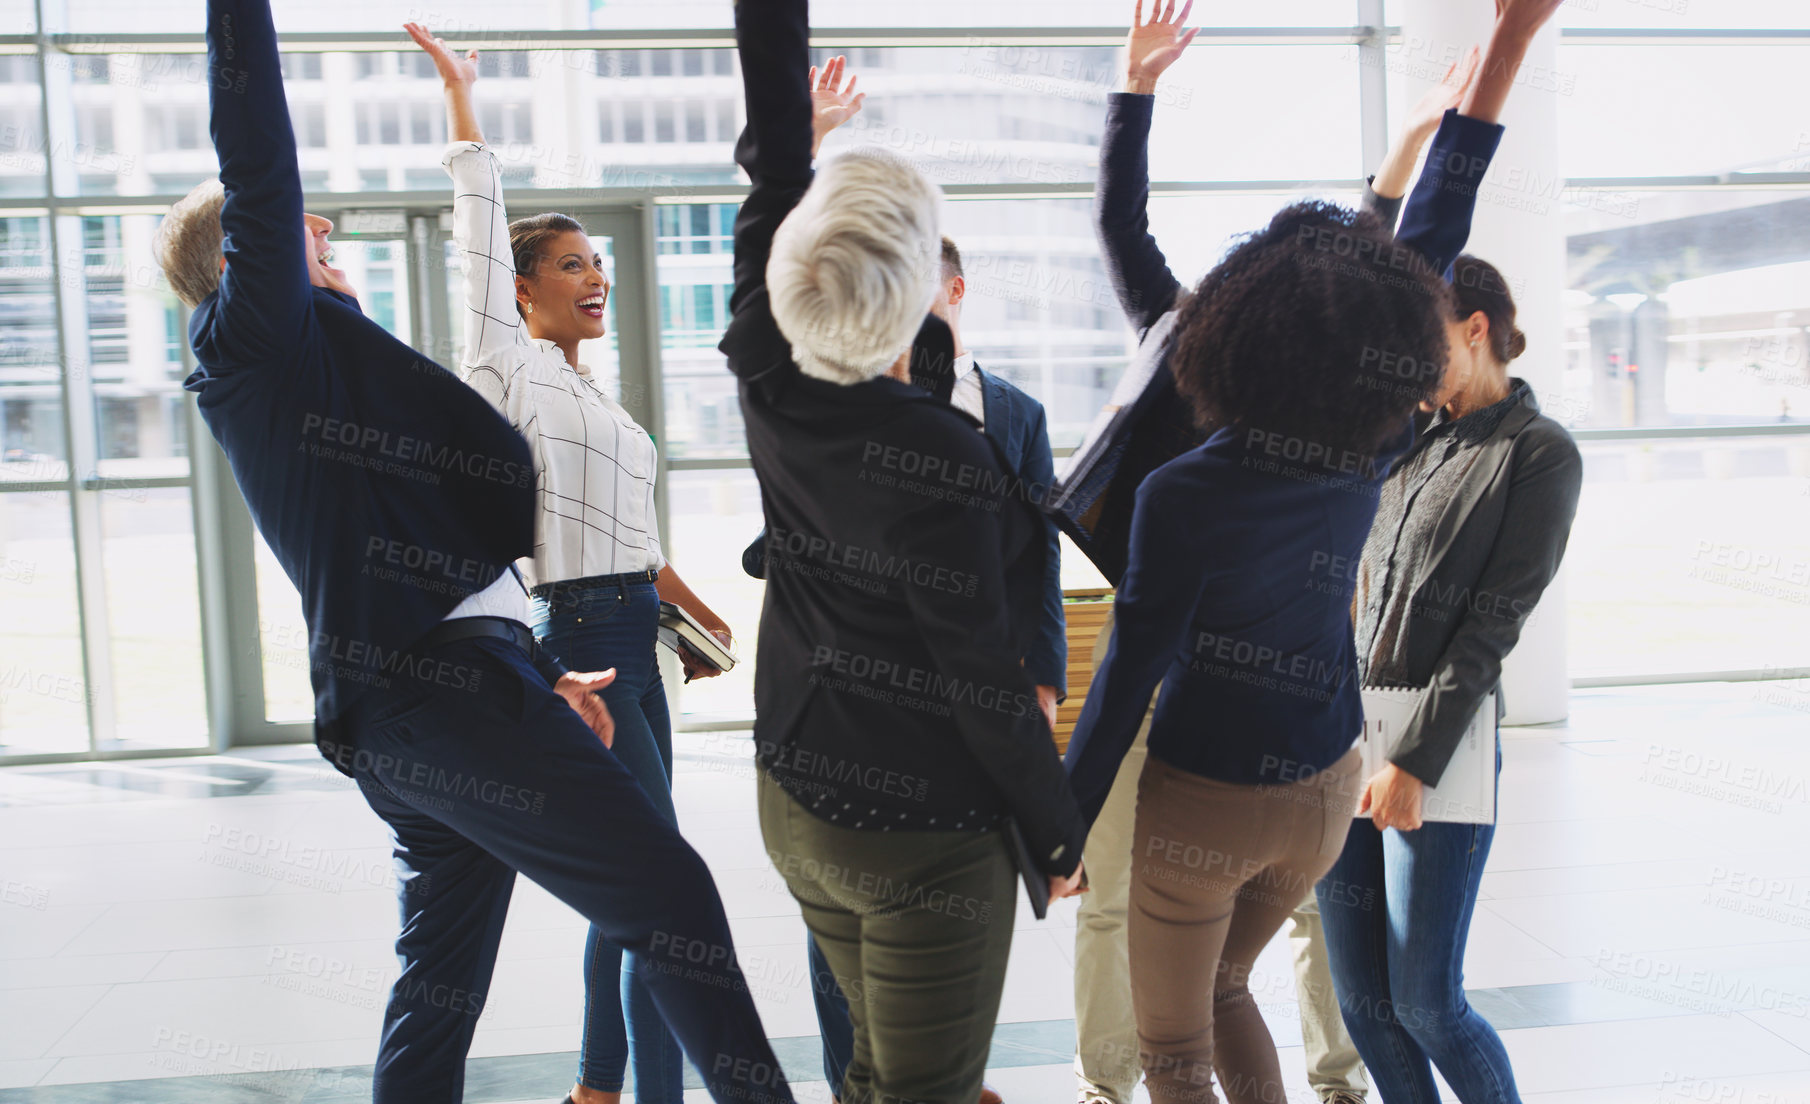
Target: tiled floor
<point x="217" y="929"/>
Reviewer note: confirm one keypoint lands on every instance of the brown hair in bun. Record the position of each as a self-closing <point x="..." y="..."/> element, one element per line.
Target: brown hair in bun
<point x="1477" y="285"/>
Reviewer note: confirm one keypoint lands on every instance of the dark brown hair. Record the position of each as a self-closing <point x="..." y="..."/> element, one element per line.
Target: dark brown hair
<point x="1320" y="326"/>
<point x="1478" y="285"/>
<point x="529" y="238"/>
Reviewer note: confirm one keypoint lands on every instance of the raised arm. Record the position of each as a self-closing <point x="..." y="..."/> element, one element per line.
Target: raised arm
<point x="1389" y="186"/>
<point x="1139" y="271"/>
<point x="772" y="38"/>
<point x="265" y="295"/>
<point x="493" y="327"/>
<point x="1437" y="219"/>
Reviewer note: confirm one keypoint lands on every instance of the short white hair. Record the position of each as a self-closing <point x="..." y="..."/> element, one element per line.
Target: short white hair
<point x="855" y="265"/>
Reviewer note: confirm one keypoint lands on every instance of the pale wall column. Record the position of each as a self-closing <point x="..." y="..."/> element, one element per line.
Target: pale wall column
<point x="1520" y="229"/>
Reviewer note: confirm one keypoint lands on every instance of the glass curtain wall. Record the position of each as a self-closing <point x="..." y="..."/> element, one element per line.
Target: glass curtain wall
<point x="1686" y="201"/>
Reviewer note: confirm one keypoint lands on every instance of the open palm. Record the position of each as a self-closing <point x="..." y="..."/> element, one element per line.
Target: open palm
<point x="834" y="101"/>
<point x="454" y="70"/>
<point x="1154" y="46"/>
<point x="1447" y="94"/>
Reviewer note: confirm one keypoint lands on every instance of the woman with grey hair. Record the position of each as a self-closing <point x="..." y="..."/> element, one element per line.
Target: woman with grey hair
<point x="898" y="735"/>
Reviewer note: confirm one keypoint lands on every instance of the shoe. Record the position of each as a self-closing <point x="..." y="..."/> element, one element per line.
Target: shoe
<point x="1342" y="1096"/>
<point x="990" y="1095"/>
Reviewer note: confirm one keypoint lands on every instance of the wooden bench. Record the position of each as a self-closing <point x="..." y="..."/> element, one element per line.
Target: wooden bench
<point x="1086" y="611"/>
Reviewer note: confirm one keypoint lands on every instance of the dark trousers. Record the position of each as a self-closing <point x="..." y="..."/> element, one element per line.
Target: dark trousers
<point x="1397" y="909"/>
<point x="593" y="627"/>
<point x="481" y="770"/>
<point x="916" y="927"/>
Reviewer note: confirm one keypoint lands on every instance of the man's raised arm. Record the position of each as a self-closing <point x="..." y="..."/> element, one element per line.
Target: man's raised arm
<point x="264" y="292"/>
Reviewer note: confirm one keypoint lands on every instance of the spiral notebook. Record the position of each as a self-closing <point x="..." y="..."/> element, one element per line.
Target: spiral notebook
<point x="1466" y="793"/>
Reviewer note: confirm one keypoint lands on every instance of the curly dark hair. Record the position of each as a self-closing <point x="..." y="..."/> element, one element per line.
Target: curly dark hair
<point x="1319" y="326"/>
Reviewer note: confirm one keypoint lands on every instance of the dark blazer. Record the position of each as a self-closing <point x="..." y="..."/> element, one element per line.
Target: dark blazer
<point x="387" y="489"/>
<point x="1226" y="600"/>
<point x="1497" y="545"/>
<point x="889" y="692"/>
<point x="1019" y="425"/>
<point x="1016" y="422"/>
<point x="1151" y="426"/>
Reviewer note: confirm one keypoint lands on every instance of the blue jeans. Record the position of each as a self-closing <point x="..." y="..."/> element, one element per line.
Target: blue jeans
<point x="1396" y="909"/>
<point x="593" y="628"/>
<point x="481" y="770"/>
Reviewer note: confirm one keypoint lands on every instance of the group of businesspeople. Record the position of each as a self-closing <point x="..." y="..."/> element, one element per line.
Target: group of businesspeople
<point x="507" y="717"/>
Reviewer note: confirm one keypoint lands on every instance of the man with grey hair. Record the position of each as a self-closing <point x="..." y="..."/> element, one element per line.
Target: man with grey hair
<point x="897" y="731"/>
<point x="397" y="499"/>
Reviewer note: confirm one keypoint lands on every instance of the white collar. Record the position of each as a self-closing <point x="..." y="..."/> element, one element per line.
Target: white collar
<point x="546" y="346"/>
<point x="964" y="364"/>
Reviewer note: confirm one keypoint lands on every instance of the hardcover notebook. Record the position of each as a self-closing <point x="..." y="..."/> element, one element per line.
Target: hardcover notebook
<point x="1036" y="883"/>
<point x="678" y="627"/>
<point x="1466" y="793"/>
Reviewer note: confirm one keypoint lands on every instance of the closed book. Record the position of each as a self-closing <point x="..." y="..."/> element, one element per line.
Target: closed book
<point x="678" y="627"/>
<point x="1036" y="882"/>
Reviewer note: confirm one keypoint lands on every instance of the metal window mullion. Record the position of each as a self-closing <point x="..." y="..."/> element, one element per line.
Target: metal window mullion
<point x="69" y="302"/>
<point x="1373" y="84"/>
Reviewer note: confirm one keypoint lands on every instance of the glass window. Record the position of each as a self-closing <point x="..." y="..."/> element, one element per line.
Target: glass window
<point x="1691" y="556"/>
<point x="1624" y="108"/>
<point x="43" y="687"/>
<point x="710" y="517"/>
<point x="282" y="641"/>
<point x="31" y="403"/>
<point x="153" y="618"/>
<point x="101" y="16"/>
<point x="140" y="410"/>
<point x="1687" y="308"/>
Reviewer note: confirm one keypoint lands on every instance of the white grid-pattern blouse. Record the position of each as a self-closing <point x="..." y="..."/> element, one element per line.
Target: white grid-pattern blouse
<point x="593" y="464"/>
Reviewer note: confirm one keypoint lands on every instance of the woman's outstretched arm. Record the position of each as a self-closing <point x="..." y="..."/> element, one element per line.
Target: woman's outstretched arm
<point x="493" y="327"/>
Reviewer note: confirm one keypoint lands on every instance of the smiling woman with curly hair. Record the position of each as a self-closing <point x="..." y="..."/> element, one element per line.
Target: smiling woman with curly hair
<point x="1303" y="355"/>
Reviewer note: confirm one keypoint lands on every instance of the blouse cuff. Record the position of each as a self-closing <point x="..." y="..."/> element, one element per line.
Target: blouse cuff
<point x="455" y="149"/>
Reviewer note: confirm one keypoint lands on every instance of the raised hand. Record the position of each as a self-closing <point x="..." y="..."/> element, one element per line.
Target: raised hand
<point x="833" y="101"/>
<point x="1423" y="117"/>
<point x="456" y="71"/>
<point x="1154" y="46"/>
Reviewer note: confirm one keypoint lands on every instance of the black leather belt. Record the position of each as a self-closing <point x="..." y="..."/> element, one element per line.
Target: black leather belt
<point x="473" y="628"/>
<point x="567" y="587"/>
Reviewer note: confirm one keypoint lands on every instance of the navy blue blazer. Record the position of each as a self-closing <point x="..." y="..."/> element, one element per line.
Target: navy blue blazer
<point x="1233" y="597"/>
<point x="1018" y="424"/>
<point x="388" y="490"/>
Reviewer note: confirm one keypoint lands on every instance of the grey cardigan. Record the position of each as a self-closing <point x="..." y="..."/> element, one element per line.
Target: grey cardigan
<point x="1497" y="544"/>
